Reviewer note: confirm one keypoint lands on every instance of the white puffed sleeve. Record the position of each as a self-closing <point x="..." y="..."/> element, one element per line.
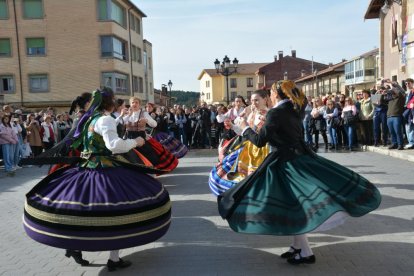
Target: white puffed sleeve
<point x="150" y="121"/>
<point x="106" y="127"/>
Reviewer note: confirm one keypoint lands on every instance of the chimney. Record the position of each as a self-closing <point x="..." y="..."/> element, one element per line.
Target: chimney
<point x="294" y="53"/>
<point x="275" y="57"/>
<point x="330" y="64"/>
<point x="343" y="60"/>
<point x="280" y="55"/>
<point x="302" y="73"/>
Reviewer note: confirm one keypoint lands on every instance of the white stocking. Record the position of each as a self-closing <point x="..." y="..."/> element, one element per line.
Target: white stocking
<point x="114" y="255"/>
<point x="302" y="241"/>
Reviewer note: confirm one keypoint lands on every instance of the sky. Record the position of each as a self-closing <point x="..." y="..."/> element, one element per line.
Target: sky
<point x="188" y="35"/>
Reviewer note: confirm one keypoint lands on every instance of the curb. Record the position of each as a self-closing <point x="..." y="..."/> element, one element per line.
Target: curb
<point x="400" y="154"/>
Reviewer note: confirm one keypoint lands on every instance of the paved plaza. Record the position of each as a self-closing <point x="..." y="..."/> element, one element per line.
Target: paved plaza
<point x="199" y="242"/>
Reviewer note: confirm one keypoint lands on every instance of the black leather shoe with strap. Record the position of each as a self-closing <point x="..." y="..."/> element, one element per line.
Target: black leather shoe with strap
<point x="290" y="254"/>
<point x="298" y="259"/>
<point x="112" y="266"/>
<point x="77" y="256"/>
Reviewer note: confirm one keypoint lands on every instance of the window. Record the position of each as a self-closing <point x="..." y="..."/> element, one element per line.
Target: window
<point x="208" y="96"/>
<point x="5" y="49"/>
<point x="135" y="84"/>
<point x="139" y="55"/>
<point x="136" y="54"/>
<point x="149" y="63"/>
<point x="394" y="33"/>
<point x="111" y="10"/>
<point x="4" y="12"/>
<point x="208" y="83"/>
<point x="32" y="9"/>
<point x="35" y="46"/>
<point x="117" y="81"/>
<point x="135" y="24"/>
<point x="233" y="96"/>
<point x="38" y="83"/>
<point x="151" y="88"/>
<point x="249" y="94"/>
<point x="249" y="82"/>
<point x="141" y="85"/>
<point x="233" y="83"/>
<point x="113" y="47"/>
<point x="6" y="84"/>
<point x="132" y="22"/>
<point x="138" y="25"/>
<point x="349" y="70"/>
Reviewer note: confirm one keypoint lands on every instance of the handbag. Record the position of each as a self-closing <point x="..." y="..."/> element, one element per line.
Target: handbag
<point x="350" y="118"/>
<point x="336" y="122"/>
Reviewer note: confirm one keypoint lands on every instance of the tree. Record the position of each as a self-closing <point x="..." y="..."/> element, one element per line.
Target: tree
<point x="187" y="98"/>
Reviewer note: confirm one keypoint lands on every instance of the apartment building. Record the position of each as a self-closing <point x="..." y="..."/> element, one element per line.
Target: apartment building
<point x="286" y="67"/>
<point x="53" y="50"/>
<point x="213" y="86"/>
<point x="330" y="80"/>
<point x="361" y="72"/>
<point x="396" y="37"/>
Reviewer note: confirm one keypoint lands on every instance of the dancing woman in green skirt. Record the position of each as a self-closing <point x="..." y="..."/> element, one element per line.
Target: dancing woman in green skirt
<point x="294" y="191"/>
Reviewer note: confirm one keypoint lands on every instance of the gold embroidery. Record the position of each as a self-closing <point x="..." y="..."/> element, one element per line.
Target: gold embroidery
<point x="95" y="238"/>
<point x="97" y="221"/>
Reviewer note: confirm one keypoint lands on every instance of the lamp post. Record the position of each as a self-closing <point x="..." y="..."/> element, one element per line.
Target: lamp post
<point x="163" y="90"/>
<point x="315" y="82"/>
<point x="169" y="86"/>
<point x="225" y="69"/>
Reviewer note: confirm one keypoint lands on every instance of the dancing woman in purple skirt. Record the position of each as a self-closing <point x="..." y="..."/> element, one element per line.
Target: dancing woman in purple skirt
<point x="103" y="202"/>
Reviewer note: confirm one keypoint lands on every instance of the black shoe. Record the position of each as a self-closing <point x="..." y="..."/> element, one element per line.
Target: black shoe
<point x="112" y="266"/>
<point x="393" y="146"/>
<point x="77" y="256"/>
<point x="376" y="145"/>
<point x="289" y="254"/>
<point x="400" y="147"/>
<point x="302" y="260"/>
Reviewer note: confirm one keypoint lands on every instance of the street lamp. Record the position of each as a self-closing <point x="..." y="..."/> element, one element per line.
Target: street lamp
<point x="315" y="82"/>
<point x="225" y="69"/>
<point x="163" y="90"/>
<point x="169" y="86"/>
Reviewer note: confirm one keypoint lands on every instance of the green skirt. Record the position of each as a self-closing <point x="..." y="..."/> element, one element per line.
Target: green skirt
<point x="297" y="196"/>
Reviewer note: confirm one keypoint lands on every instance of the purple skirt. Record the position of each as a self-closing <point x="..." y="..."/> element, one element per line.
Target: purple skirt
<point x="97" y="209"/>
<point x="171" y="144"/>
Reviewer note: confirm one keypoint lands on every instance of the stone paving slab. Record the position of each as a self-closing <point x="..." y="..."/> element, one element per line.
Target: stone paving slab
<point x="199" y="242"/>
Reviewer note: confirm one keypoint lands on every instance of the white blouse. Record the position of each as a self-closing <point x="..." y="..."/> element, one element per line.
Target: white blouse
<point x="106" y="127"/>
<point x="232" y="114"/>
<point x="134" y="117"/>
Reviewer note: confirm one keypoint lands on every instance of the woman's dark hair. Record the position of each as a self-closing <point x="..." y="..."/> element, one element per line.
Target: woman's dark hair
<point x="367" y="92"/>
<point x="4" y="123"/>
<point x="242" y="99"/>
<point x="119" y="102"/>
<point x="80" y="101"/>
<point x="262" y="93"/>
<point x="107" y="99"/>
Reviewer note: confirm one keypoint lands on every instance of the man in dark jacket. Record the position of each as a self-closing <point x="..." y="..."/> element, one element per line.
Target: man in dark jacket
<point x="395" y="97"/>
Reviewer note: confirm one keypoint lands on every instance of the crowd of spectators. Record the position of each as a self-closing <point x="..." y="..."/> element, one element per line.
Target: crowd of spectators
<point x="27" y="135"/>
<point x="382" y="116"/>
